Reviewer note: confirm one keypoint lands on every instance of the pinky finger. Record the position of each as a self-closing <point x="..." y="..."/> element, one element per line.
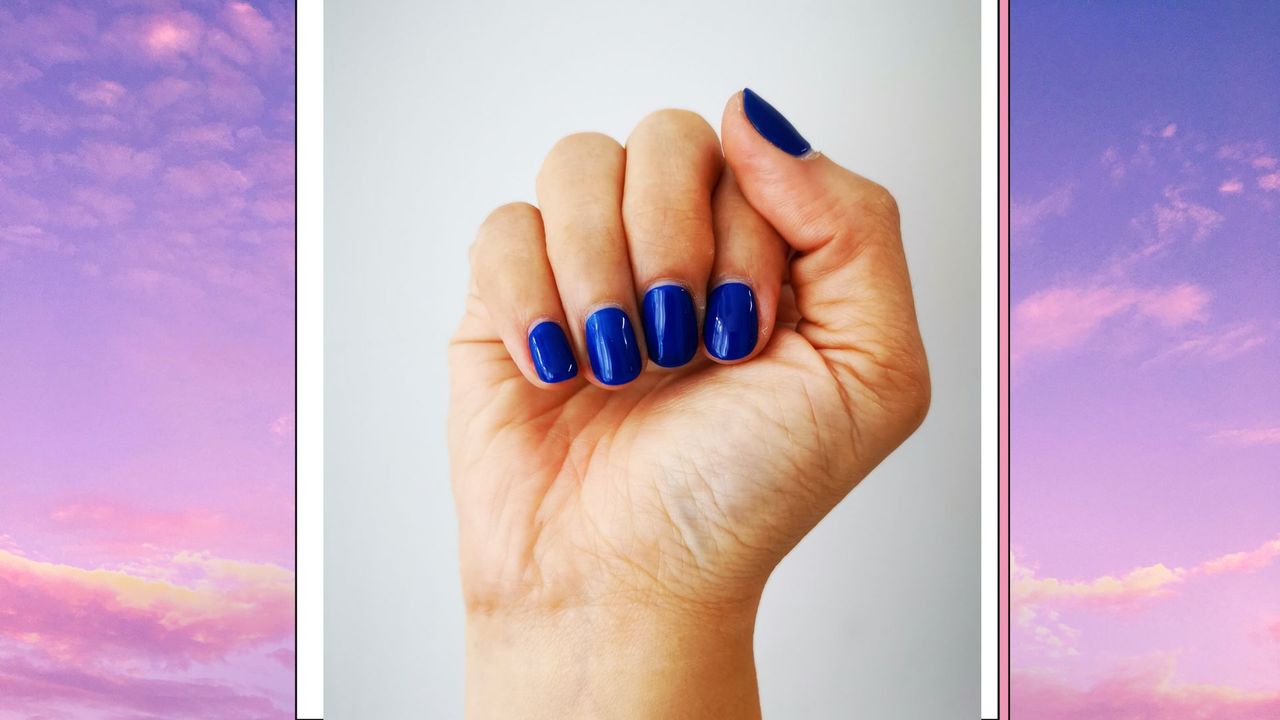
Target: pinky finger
<point x="514" y="282"/>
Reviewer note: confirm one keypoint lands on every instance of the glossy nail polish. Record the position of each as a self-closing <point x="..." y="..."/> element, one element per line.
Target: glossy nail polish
<point x="772" y="126"/>
<point x="670" y="325"/>
<point x="612" y="345"/>
<point x="732" y="323"/>
<point x="552" y="354"/>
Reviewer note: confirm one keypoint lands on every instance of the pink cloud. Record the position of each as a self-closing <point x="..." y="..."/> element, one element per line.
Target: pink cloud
<point x="31" y="237"/>
<point x="1135" y="693"/>
<point x="61" y="34"/>
<point x="111" y="208"/>
<point x="1264" y="162"/>
<point x="71" y="614"/>
<point x="159" y="37"/>
<point x="113" y="161"/>
<point x="1066" y="316"/>
<point x="206" y="178"/>
<point x="1137" y="584"/>
<point x="1169" y="130"/>
<point x="210" y="136"/>
<point x="275" y="210"/>
<point x="1175" y="306"/>
<point x="1249" y="437"/>
<point x="249" y="25"/>
<point x="1269" y="182"/>
<point x="1025" y="217"/>
<point x="1231" y="187"/>
<point x="1034" y="597"/>
<point x="100" y="94"/>
<point x="39" y="119"/>
<point x="1178" y="218"/>
<point x="153" y="282"/>
<point x="168" y="90"/>
<point x="231" y="91"/>
<point x="132" y="529"/>
<point x="1220" y="346"/>
<point x="36" y="687"/>
<point x="1112" y="161"/>
<point x="1247" y="561"/>
<point x="16" y="72"/>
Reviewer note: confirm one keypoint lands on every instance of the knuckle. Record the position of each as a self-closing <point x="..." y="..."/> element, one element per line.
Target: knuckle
<point x="505" y="222"/>
<point x="879" y="202"/>
<point x="584" y="146"/>
<point x="671" y="122"/>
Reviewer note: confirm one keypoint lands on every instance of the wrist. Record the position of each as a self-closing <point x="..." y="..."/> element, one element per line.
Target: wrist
<point x="624" y="662"/>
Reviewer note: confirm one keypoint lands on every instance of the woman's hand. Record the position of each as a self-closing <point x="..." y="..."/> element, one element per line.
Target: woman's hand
<point x="667" y="374"/>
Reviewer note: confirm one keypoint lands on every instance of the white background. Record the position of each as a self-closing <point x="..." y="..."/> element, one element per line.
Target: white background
<point x="434" y="115"/>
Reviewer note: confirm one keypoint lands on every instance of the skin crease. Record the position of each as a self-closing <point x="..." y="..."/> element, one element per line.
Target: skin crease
<point x="614" y="543"/>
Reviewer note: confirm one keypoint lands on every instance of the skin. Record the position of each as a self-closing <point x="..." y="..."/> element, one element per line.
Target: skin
<point x="615" y="541"/>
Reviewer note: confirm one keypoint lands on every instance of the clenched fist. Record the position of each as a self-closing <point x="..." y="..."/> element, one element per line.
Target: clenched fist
<point x="668" y="372"/>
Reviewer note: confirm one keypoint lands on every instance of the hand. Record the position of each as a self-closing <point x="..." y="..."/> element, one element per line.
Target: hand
<point x="618" y="518"/>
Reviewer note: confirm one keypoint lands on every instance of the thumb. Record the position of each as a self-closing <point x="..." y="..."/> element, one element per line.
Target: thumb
<point x="849" y="271"/>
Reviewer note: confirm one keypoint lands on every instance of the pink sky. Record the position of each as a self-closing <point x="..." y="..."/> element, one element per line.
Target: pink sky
<point x="146" y="366"/>
<point x="1145" y="343"/>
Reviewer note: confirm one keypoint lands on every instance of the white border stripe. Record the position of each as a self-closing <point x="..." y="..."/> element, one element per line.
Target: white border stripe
<point x="310" y="360"/>
<point x="990" y="358"/>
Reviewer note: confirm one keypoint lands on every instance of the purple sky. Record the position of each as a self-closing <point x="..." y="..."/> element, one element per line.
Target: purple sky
<point x="146" y="360"/>
<point x="1145" y="281"/>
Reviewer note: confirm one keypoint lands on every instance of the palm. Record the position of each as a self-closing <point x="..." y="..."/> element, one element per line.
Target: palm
<point x="693" y="482"/>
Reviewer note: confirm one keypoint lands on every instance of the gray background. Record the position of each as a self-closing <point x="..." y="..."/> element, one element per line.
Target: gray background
<point x="435" y="113"/>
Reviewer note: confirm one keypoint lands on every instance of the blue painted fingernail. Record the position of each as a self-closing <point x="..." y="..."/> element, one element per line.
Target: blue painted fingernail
<point x="611" y="343"/>
<point x="732" y="326"/>
<point x="552" y="355"/>
<point x="772" y="126"/>
<point x="670" y="325"/>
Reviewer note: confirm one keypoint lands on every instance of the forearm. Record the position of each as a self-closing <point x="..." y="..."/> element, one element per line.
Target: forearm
<point x="616" y="663"/>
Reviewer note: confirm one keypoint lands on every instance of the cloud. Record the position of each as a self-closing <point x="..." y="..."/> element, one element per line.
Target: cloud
<point x="30" y="237"/>
<point x="16" y="72"/>
<point x="1136" y="693"/>
<point x="100" y="94"/>
<point x="1178" y="218"/>
<point x="1231" y="187"/>
<point x="1249" y="437"/>
<point x="1065" y="316"/>
<point x="161" y="37"/>
<point x="211" y="136"/>
<point x="169" y="90"/>
<point x="38" y="687"/>
<point x="215" y="606"/>
<point x="1247" y="561"/>
<point x="1263" y="162"/>
<point x="1270" y="182"/>
<point x="61" y="34"/>
<point x="111" y="208"/>
<point x="39" y="119"/>
<point x="1220" y="346"/>
<point x="1169" y="130"/>
<point x="207" y="178"/>
<point x="1029" y="591"/>
<point x="1026" y="217"/>
<point x="1113" y="163"/>
<point x="113" y="161"/>
<point x="1137" y="584"/>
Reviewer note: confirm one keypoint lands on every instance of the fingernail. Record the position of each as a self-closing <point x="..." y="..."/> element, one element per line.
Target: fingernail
<point x="552" y="354"/>
<point x="732" y="326"/>
<point x="670" y="325"/>
<point x="611" y="343"/>
<point x="772" y="126"/>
